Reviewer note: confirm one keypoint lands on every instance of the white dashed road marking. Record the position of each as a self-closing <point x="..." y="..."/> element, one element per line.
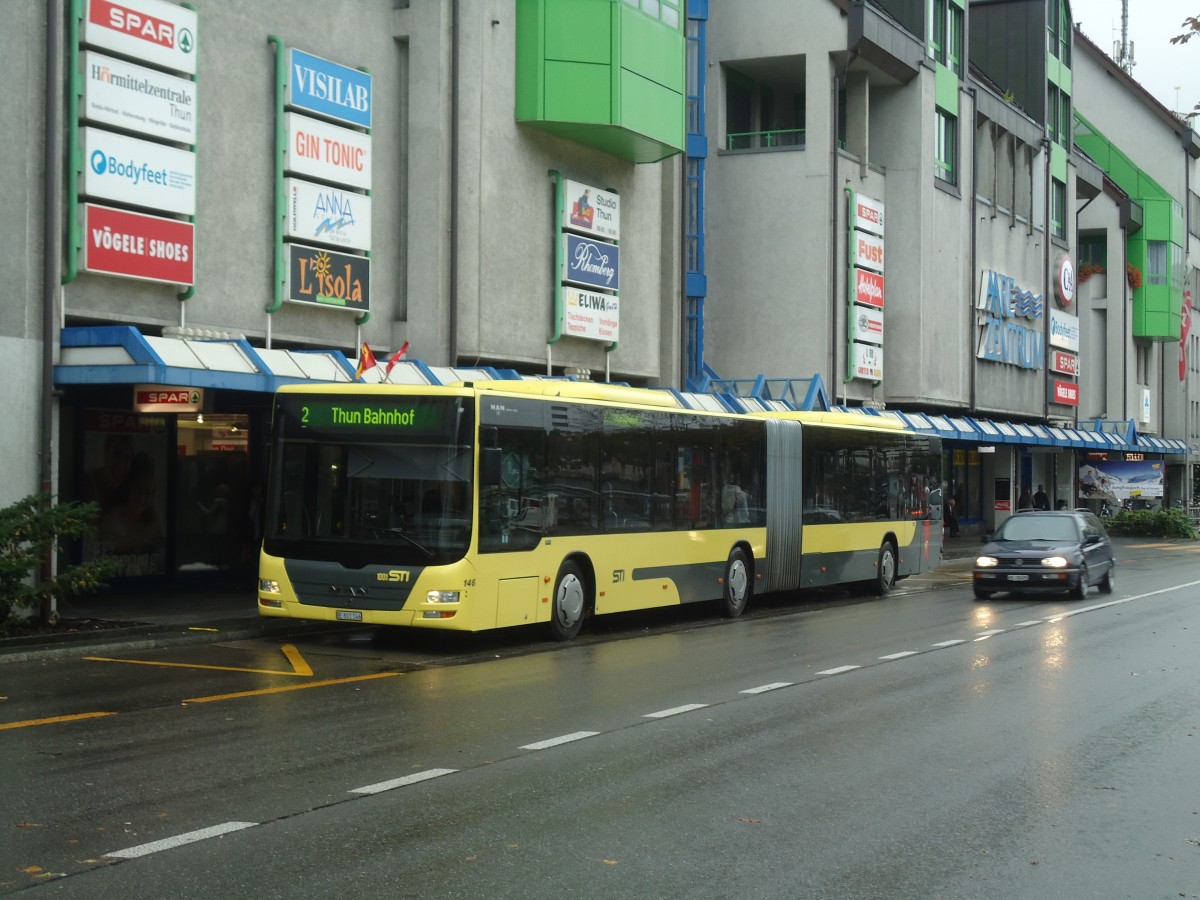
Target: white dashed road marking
<point x="180" y="839"/>
<point x="763" y="688"/>
<point x="562" y="739"/>
<point x="674" y="711"/>
<point x="839" y="670"/>
<point x="900" y="655"/>
<point x="416" y="777"/>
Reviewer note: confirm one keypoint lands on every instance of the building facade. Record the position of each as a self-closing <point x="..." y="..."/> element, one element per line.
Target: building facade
<point x="917" y="208"/>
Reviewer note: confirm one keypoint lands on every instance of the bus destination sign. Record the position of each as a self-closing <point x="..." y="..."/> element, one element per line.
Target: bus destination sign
<point x="352" y="414"/>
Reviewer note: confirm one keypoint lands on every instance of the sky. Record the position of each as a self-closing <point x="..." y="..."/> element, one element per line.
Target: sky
<point x="1160" y="66"/>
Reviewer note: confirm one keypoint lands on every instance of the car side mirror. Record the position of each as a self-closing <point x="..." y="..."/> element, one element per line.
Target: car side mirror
<point x="985" y="537"/>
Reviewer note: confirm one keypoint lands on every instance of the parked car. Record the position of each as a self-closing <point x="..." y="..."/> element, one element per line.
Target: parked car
<point x="1043" y="551"/>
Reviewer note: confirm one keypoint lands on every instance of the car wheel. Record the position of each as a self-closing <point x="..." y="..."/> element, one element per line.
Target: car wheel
<point x="885" y="575"/>
<point x="981" y="594"/>
<point x="1081" y="589"/>
<point x="570" y="602"/>
<point x="739" y="585"/>
<point x="1109" y="581"/>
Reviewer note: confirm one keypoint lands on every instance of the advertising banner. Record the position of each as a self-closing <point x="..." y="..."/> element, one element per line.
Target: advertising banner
<point x="327" y="152"/>
<point x="137" y="172"/>
<point x="591" y="211"/>
<point x="133" y="245"/>
<point x="327" y="215"/>
<point x="868" y="362"/>
<point x="152" y="30"/>
<point x="138" y="99"/>
<point x="1064" y="330"/>
<point x="1066" y="392"/>
<point x="328" y="89"/>
<point x="868" y="288"/>
<point x="328" y="278"/>
<point x="590" y="263"/>
<point x="867" y="251"/>
<point x="1064" y="363"/>
<point x="590" y="315"/>
<point x="868" y="325"/>
<point x="1121" y="479"/>
<point x="163" y="398"/>
<point x="868" y="214"/>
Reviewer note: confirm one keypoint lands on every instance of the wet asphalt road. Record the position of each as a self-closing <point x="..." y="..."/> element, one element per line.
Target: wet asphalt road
<point x="922" y="746"/>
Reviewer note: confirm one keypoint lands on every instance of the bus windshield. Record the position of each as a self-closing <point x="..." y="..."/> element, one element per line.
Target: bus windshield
<point x="371" y="479"/>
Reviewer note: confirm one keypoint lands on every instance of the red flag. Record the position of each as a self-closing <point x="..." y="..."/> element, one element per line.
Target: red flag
<point x="366" y="360"/>
<point x="395" y="358"/>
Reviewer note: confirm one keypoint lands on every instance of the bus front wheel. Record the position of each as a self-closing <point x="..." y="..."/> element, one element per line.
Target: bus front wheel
<point x="570" y="602"/>
<point x="885" y="574"/>
<point x="738" y="586"/>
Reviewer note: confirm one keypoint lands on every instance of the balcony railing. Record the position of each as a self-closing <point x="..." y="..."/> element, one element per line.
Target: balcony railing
<point x="765" y="140"/>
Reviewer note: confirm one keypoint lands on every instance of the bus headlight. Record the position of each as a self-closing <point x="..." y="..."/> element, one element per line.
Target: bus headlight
<point x="267" y="586"/>
<point x="441" y="597"/>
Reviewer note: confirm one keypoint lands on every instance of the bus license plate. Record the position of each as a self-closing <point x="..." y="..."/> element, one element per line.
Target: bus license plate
<point x="1018" y="577"/>
<point x="348" y="615"/>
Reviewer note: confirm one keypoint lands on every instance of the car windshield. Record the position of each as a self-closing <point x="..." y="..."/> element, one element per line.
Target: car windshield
<point x="1038" y="528"/>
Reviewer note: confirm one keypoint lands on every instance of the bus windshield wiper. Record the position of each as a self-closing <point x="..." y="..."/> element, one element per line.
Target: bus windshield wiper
<point x="400" y="532"/>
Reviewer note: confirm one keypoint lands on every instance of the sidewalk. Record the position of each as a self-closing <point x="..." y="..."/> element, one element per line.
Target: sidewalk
<point x="220" y="610"/>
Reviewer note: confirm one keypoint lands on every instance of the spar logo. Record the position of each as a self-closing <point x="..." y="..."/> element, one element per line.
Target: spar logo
<point x="142" y="25"/>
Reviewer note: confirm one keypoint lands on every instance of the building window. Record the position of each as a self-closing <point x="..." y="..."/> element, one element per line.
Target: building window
<point x="1058" y="20"/>
<point x="946" y="147"/>
<point x="954" y="41"/>
<point x="946" y="34"/>
<point x="1194" y="214"/>
<point x="1093" y="249"/>
<point x="1058" y="209"/>
<point x="1156" y="262"/>
<point x="762" y="115"/>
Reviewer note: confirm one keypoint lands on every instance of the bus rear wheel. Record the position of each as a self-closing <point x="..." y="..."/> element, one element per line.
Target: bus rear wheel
<point x="570" y="602"/>
<point x="885" y="573"/>
<point x="738" y="585"/>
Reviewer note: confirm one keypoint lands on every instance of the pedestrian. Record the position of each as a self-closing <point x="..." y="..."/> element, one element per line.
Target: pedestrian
<point x="1025" y="501"/>
<point x="1040" y="500"/>
<point x="951" y="519"/>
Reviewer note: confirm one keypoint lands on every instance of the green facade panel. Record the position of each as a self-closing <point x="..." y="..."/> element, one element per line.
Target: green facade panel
<point x="1157" y="308"/>
<point x="946" y="90"/>
<point x="603" y="73"/>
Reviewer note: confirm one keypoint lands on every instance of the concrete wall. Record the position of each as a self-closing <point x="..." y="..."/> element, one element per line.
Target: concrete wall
<point x="22" y="48"/>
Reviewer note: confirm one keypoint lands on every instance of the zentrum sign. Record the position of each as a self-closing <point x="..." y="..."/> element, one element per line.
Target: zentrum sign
<point x="152" y="30"/>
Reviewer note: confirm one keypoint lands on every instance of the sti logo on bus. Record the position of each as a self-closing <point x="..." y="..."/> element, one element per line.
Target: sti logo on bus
<point x="400" y="575"/>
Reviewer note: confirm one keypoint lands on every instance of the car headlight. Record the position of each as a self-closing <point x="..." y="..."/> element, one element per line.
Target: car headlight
<point x="441" y="597"/>
<point x="986" y="562"/>
<point x="1055" y="562"/>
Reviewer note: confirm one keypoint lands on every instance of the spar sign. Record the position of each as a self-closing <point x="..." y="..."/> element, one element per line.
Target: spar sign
<point x="151" y="30"/>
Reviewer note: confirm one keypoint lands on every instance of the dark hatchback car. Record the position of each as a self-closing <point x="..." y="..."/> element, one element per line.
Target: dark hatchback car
<point x="1045" y="551"/>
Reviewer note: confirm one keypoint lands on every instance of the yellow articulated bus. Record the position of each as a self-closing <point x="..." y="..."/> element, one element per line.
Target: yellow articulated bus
<point x="501" y="503"/>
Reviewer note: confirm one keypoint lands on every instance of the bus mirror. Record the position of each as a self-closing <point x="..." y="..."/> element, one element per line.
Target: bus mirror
<point x="489" y="466"/>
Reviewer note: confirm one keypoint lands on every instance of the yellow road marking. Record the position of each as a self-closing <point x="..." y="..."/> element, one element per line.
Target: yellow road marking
<point x="300" y="668"/>
<point x="291" y="687"/>
<point x="54" y="720"/>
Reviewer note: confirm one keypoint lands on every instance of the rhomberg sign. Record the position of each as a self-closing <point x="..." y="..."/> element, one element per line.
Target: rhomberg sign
<point x="328" y="278"/>
<point x="133" y="245"/>
<point x="151" y="30"/>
